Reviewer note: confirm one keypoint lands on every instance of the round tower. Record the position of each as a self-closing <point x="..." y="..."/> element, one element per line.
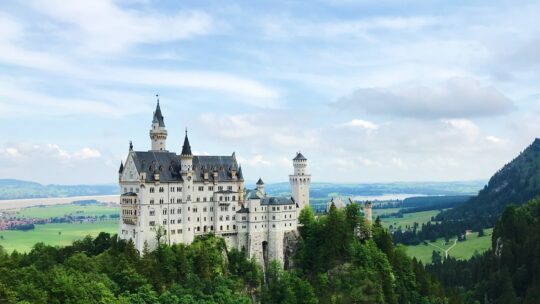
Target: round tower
<point x="158" y="133"/>
<point x="260" y="187"/>
<point x="300" y="181"/>
<point x="368" y="211"/>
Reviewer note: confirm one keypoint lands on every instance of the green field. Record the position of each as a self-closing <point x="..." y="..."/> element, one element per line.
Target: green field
<point x="379" y="212"/>
<point x="408" y="219"/>
<point x="68" y="209"/>
<point x="23" y="241"/>
<point x="462" y="250"/>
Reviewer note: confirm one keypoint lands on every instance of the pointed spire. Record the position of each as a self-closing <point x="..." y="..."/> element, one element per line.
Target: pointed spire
<point x="130" y="145"/>
<point x="158" y="117"/>
<point x="186" y="148"/>
<point x="240" y="175"/>
<point x="121" y="167"/>
<point x="260" y="182"/>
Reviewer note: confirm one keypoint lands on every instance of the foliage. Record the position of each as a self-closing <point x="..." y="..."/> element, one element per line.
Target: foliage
<point x="343" y="264"/>
<point x="108" y="270"/>
<point x="509" y="272"/>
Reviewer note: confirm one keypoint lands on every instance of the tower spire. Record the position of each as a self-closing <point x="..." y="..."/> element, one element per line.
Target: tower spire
<point x="186" y="148"/>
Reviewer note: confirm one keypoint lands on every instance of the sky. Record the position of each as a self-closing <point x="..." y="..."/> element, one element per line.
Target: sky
<point x="368" y="91"/>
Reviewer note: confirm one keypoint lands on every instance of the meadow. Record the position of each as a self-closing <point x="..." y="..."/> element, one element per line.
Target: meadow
<point x="462" y="250"/>
<point x="53" y="234"/>
<point x="408" y="219"/>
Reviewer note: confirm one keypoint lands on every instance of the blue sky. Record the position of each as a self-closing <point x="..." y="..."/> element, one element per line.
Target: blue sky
<point x="369" y="91"/>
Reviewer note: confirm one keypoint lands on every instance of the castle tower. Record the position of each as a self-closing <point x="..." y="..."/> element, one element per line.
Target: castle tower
<point x="158" y="133"/>
<point x="368" y="211"/>
<point x="300" y="181"/>
<point x="186" y="170"/>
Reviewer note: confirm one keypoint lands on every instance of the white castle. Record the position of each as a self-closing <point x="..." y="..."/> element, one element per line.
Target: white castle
<point x="186" y="195"/>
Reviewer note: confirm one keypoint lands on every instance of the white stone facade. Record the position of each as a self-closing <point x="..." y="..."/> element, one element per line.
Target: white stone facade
<point x="188" y="195"/>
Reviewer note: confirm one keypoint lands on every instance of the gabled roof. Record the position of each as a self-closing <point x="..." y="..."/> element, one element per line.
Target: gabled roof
<point x="158" y="117"/>
<point x="299" y="156"/>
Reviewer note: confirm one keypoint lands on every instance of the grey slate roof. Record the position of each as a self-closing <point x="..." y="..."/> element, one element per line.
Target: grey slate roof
<point x="260" y="182"/>
<point x="121" y="167"/>
<point x="252" y="194"/>
<point x="276" y="201"/>
<point x="158" y="117"/>
<point x="299" y="156"/>
<point x="168" y="166"/>
<point x="243" y="210"/>
<point x="186" y="148"/>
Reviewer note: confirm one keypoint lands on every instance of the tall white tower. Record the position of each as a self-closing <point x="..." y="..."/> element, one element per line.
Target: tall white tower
<point x="158" y="133"/>
<point x="300" y="181"/>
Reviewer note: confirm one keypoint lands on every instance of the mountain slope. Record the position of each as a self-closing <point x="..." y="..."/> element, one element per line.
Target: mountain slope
<point x="516" y="183"/>
<point x="18" y="189"/>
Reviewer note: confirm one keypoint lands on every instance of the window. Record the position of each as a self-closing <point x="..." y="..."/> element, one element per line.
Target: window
<point x="152" y="190"/>
<point x="164" y="211"/>
<point x="233" y="227"/>
<point x="172" y="200"/>
<point x="204" y="209"/>
<point x="210" y="188"/>
<point x="178" y="200"/>
<point x="161" y="201"/>
<point x="179" y="189"/>
<point x="211" y="199"/>
<point x="227" y="218"/>
<point x="227" y="227"/>
<point x="152" y="223"/>
<point x="220" y="188"/>
<point x="211" y="209"/>
<point x="243" y="218"/>
<point x="164" y="222"/>
<point x="179" y="231"/>
<point x="161" y="189"/>
<point x="233" y="208"/>
<point x="197" y="219"/>
<point x="221" y="217"/>
<point x="229" y="188"/>
<point x="198" y="199"/>
<point x="172" y="231"/>
<point x="233" y="217"/>
<point x="179" y="210"/>
<point x="194" y="209"/>
<point x="273" y="217"/>
<point x="201" y="188"/>
<point x="151" y="201"/>
<point x="233" y="197"/>
<point x="172" y="222"/>
<point x="152" y="212"/>
<point x="204" y="199"/>
<point x="172" y="189"/>
<point x="172" y="211"/>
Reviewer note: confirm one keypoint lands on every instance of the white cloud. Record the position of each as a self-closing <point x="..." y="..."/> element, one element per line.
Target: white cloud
<point x="101" y="25"/>
<point x="256" y="161"/>
<point x="457" y="98"/>
<point x="359" y="123"/>
<point x="87" y="153"/>
<point x="494" y="139"/>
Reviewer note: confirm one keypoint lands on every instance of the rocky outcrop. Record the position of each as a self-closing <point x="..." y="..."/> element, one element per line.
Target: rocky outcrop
<point x="290" y="247"/>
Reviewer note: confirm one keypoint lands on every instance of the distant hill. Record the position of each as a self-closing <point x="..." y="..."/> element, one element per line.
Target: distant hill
<point x="18" y="189"/>
<point x="516" y="183"/>
<point x="323" y="190"/>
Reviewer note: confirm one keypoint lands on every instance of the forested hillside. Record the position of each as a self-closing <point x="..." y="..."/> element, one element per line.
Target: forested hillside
<point x="341" y="259"/>
<point x="508" y="273"/>
<point x="517" y="182"/>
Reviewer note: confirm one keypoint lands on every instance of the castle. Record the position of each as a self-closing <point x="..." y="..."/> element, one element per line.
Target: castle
<point x="183" y="196"/>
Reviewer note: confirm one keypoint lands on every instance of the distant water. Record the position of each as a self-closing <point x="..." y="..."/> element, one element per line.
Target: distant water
<point x="386" y="197"/>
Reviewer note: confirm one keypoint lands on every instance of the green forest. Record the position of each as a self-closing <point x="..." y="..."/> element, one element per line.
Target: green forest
<point x="341" y="259"/>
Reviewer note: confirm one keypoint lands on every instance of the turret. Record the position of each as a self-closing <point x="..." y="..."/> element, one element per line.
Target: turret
<point x="300" y="181"/>
<point x="158" y="133"/>
<point x="368" y="211"/>
<point x="260" y="187"/>
<point x="186" y="156"/>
